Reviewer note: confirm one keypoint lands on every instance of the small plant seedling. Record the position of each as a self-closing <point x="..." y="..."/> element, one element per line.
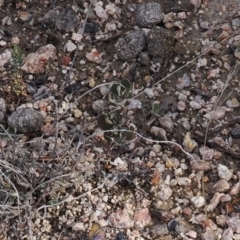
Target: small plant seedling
<point x="158" y="109"/>
<point x="120" y="91"/>
<point x="17" y="54"/>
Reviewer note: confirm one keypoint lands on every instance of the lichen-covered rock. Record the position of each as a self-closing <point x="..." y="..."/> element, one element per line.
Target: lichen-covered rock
<point x="149" y="14"/>
<point x="160" y="43"/>
<point x="25" y="120"/>
<point x="129" y="46"/>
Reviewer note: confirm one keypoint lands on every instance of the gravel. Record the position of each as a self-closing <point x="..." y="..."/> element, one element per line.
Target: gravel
<point x="119" y="120"/>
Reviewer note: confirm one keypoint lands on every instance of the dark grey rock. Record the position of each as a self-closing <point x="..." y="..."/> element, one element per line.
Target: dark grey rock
<point x="159" y="230"/>
<point x="25" y="120"/>
<point x="67" y="20"/>
<point x="49" y="19"/>
<point x="160" y="43"/>
<point x="236" y="132"/>
<point x="91" y="27"/>
<point x="149" y="14"/>
<point x="144" y="59"/>
<point x="64" y="19"/>
<point x="129" y="46"/>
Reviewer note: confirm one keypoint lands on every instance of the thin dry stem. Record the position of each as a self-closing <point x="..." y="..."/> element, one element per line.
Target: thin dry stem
<point x="151" y="140"/>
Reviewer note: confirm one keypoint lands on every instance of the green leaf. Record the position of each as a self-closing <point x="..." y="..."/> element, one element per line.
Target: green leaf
<point x="122" y="89"/>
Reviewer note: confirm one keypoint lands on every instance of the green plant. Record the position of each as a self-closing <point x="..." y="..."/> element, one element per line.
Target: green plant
<point x="17" y="56"/>
<point x="120" y="91"/>
<point x="118" y="94"/>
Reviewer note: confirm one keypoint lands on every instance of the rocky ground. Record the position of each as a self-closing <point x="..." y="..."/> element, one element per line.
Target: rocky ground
<point x="120" y="120"/>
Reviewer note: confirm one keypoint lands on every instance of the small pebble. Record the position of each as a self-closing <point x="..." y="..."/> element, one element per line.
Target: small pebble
<point x="188" y="143"/>
<point x="227" y="234"/>
<point x="165" y="193"/>
<point x="77" y="37"/>
<point x="191" y="234"/>
<point x="148" y="14"/>
<point x="149" y="92"/>
<point x="91" y="83"/>
<point x="134" y="104"/>
<point x="195" y="105"/>
<point x="77" y="113"/>
<point x="224" y="172"/>
<point x="226" y="198"/>
<point x="221" y="220"/>
<point x="198" y="201"/>
<point x="183" y="181"/>
<point x="183" y="82"/>
<point x="3" y="43"/>
<point x="233" y="103"/>
<point x="214" y="202"/>
<point x="159" y="230"/>
<point x="234" y="223"/>
<point x="217" y="114"/>
<point x="70" y="46"/>
<point x="167" y="122"/>
<point x="221" y="186"/>
<point x="181" y="106"/>
<point x="235" y="189"/>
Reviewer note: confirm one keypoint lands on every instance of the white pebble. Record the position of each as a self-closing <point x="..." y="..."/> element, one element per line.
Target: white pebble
<point x="191" y="234"/>
<point x="3" y="43"/>
<point x="70" y="46"/>
<point x="198" y="201"/>
<point x="149" y="92"/>
<point x="183" y="181"/>
<point x="224" y="172"/>
<point x="195" y="105"/>
<point x="78" y="226"/>
<point x="165" y="193"/>
<point x="134" y="104"/>
<point x="111" y="27"/>
<point x="77" y="37"/>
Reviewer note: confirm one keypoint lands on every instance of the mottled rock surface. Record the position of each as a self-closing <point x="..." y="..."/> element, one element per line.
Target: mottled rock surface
<point x="25" y="120"/>
<point x="131" y="45"/>
<point x="149" y="14"/>
<point x="160" y="43"/>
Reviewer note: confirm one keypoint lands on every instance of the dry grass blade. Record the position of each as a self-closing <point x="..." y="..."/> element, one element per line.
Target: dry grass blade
<point x="154" y="141"/>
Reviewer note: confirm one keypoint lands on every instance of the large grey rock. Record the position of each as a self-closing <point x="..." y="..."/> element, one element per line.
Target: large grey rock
<point x="160" y="43"/>
<point x="25" y="120"/>
<point x="149" y="14"/>
<point x="64" y="19"/>
<point x="129" y="46"/>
